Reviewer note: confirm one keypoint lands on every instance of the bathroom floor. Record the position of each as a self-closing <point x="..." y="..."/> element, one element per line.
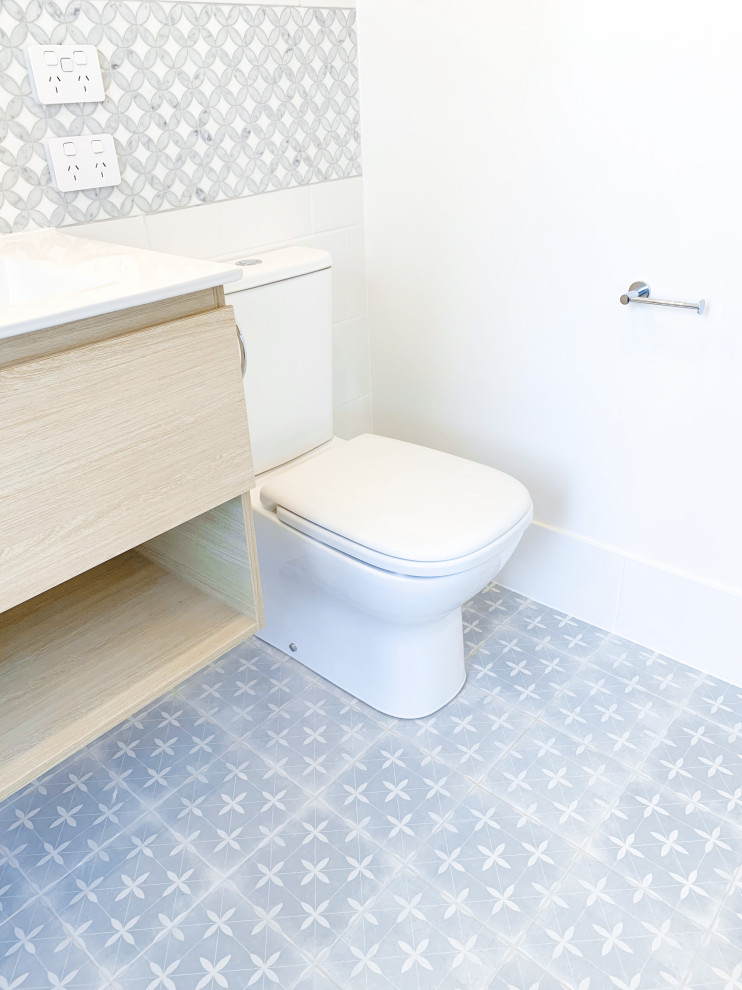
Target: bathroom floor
<point x="573" y="819"/>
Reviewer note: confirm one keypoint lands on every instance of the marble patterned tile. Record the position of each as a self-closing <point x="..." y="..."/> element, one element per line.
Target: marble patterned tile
<point x="282" y="109"/>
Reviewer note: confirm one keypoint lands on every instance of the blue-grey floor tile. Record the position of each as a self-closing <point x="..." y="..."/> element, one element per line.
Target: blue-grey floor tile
<point x="719" y="702"/>
<point x="505" y="860"/>
<point x="558" y="782"/>
<point x="36" y="952"/>
<point x="683" y="853"/>
<point x="518" y="972"/>
<point x="572" y="819"/>
<point x="595" y="930"/>
<point x="695" y="759"/>
<point x="317" y="881"/>
<point x="717" y="967"/>
<point x="624" y="721"/>
<point x="411" y="937"/>
<point x="222" y="946"/>
<point x="497" y="601"/>
<point x="396" y="793"/>
<point x="16" y="890"/>
<point x="471" y="733"/>
<point x="566" y="633"/>
<point x="521" y="672"/>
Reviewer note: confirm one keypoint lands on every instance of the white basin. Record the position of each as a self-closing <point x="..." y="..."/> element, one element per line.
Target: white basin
<point x="47" y="278"/>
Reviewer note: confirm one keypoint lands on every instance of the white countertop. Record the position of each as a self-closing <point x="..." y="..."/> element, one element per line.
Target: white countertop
<point x="47" y="278"/>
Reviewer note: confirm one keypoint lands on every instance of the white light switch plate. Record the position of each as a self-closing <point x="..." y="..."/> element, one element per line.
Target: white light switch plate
<point x="65" y="73"/>
<point x="85" y="162"/>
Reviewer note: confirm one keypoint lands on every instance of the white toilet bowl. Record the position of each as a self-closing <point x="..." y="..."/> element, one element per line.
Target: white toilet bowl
<point x="367" y="547"/>
<point x="385" y="627"/>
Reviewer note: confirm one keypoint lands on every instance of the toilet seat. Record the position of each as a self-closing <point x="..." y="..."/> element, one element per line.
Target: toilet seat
<point x="399" y="506"/>
<point x="398" y="565"/>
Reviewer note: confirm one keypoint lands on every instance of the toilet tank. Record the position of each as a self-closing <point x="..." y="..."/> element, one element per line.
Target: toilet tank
<point x="283" y="307"/>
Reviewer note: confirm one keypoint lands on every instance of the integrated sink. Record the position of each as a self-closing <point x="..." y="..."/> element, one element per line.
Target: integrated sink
<point x="24" y="280"/>
<point x="49" y="278"/>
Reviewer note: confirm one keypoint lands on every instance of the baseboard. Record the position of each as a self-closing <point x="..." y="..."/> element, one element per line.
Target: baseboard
<point x="676" y="614"/>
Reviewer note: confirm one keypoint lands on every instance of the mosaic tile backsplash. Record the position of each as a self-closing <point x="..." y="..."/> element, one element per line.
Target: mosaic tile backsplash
<point x="205" y="102"/>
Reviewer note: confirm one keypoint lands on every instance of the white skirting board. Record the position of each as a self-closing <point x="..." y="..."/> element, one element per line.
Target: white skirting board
<point x="676" y="614"/>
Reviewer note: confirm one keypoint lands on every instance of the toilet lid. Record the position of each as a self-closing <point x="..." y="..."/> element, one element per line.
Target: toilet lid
<point x="399" y="499"/>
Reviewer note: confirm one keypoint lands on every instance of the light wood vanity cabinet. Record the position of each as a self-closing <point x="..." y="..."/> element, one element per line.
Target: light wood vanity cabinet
<point x="127" y="554"/>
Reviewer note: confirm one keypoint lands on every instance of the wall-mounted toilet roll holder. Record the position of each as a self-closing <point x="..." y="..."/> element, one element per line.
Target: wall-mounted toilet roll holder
<point x="639" y="293"/>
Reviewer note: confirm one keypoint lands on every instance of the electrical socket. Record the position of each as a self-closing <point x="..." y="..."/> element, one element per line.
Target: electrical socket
<point x="65" y="74"/>
<point x="85" y="162"/>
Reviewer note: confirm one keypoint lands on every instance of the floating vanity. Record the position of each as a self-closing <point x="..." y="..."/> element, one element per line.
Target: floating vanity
<point x="127" y="554"/>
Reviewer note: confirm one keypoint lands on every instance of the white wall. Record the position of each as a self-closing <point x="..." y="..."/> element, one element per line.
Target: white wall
<point x="523" y="163"/>
<point x="326" y="215"/>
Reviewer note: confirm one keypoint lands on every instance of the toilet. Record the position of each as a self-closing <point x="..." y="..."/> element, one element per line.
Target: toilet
<point x="367" y="547"/>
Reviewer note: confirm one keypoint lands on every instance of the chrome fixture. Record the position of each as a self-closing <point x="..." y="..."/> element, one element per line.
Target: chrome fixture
<point x="243" y="352"/>
<point x="639" y="293"/>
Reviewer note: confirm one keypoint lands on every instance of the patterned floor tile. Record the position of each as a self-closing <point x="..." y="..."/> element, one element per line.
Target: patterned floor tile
<point x="717" y="701"/>
<point x="497" y="601"/>
<point x="521" y="973"/>
<point x="495" y="860"/>
<point x="318" y="880"/>
<point x="696" y="759"/>
<point x="412" y="937"/>
<point x="718" y="967"/>
<point x="471" y="733"/>
<point x="591" y="934"/>
<point x="618" y="718"/>
<point x="521" y="672"/>
<point x="397" y="794"/>
<point x="557" y="781"/>
<point x="36" y="952"/>
<point x="657" y="674"/>
<point x="572" y="820"/>
<point x="567" y="634"/>
<point x="687" y="855"/>
<point x="224" y="948"/>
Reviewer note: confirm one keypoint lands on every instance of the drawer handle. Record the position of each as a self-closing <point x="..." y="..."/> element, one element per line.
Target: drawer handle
<point x="243" y="353"/>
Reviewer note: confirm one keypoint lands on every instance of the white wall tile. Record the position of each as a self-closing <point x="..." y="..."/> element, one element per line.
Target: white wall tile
<point x="698" y="623"/>
<point x="350" y="366"/>
<point x="567" y="573"/>
<point x="131" y="231"/>
<point x="353" y="418"/>
<point x="220" y="229"/>
<point x="336" y="204"/>
<point x="348" y="271"/>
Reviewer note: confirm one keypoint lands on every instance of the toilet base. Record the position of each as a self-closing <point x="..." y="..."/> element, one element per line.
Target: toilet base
<point x="392" y="641"/>
<point x="406" y="671"/>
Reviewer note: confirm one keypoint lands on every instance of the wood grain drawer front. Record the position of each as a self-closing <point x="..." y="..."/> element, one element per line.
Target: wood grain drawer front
<point x="104" y="446"/>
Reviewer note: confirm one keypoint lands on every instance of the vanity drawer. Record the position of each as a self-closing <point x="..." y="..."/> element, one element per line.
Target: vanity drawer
<point x="105" y="446"/>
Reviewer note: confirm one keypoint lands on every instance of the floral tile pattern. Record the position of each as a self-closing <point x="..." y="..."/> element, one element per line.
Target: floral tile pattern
<point x="206" y="102"/>
<point x="571" y="821"/>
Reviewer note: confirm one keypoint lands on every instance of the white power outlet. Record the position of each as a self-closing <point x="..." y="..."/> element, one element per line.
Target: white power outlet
<point x="65" y="73"/>
<point x="86" y="162"/>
